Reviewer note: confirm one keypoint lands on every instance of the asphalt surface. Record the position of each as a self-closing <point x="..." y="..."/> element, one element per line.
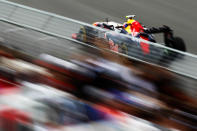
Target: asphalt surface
<point x="178" y="14"/>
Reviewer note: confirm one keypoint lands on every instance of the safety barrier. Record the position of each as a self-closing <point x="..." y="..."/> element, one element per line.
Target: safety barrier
<point x="174" y="60"/>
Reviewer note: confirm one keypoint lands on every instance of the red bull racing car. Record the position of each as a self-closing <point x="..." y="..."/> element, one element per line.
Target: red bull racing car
<point x="134" y="39"/>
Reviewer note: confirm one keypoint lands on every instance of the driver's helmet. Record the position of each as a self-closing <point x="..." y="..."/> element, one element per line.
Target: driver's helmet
<point x="127" y="25"/>
<point x="130" y="19"/>
<point x="132" y="26"/>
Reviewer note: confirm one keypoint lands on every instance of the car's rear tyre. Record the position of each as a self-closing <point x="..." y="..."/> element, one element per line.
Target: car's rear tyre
<point x="179" y="44"/>
<point x="175" y="43"/>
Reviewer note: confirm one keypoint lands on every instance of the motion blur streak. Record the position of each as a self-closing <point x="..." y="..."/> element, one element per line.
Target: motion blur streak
<point x="178" y="14"/>
<point x="73" y="87"/>
<point x="87" y="91"/>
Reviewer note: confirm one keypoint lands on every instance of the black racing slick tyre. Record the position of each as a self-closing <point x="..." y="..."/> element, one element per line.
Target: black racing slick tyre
<point x="179" y="44"/>
<point x="176" y="43"/>
<point x="82" y="36"/>
<point x="123" y="49"/>
<point x="87" y="34"/>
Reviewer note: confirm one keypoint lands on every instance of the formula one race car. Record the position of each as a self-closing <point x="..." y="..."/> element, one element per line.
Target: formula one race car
<point x="133" y="39"/>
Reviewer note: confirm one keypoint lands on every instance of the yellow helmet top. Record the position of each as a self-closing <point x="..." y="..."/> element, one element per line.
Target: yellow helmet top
<point x="130" y="21"/>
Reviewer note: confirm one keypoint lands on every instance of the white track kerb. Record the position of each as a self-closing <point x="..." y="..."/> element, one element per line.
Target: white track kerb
<point x="63" y="27"/>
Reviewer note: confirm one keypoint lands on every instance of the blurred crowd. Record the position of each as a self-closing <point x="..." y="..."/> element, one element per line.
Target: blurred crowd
<point x="88" y="91"/>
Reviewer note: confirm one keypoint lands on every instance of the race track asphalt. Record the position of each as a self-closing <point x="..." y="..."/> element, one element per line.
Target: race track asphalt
<point x="180" y="15"/>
